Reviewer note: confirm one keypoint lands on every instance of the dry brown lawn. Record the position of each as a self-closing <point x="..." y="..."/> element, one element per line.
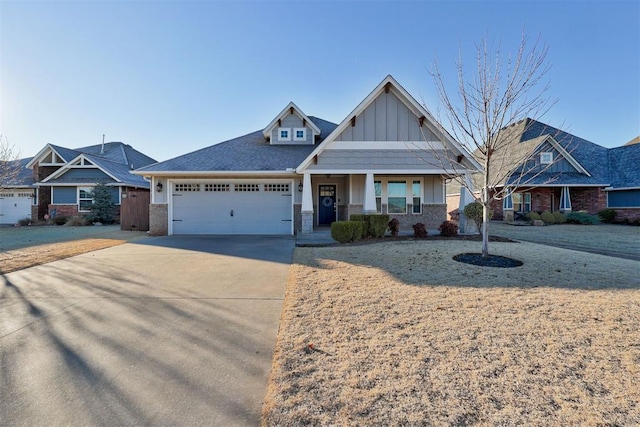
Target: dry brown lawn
<point x="19" y="259"/>
<point x="404" y="335"/>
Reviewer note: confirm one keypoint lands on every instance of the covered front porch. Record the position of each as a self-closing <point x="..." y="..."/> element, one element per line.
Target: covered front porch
<point x="323" y="198"/>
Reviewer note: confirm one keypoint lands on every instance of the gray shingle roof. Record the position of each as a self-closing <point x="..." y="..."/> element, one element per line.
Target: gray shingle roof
<point x="24" y="178"/>
<point x="624" y="166"/>
<point x="251" y="152"/>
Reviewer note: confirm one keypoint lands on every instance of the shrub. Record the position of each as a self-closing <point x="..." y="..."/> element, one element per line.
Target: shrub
<point x="373" y="225"/>
<point x="448" y="229"/>
<point x="77" y="221"/>
<point x="548" y="217"/>
<point x="346" y="231"/>
<point x="532" y="216"/>
<point x="59" y="219"/>
<point x="419" y="230"/>
<point x="559" y="218"/>
<point x="394" y="226"/>
<point x="24" y="222"/>
<point x="582" y="217"/>
<point x="607" y="215"/>
<point x="102" y="206"/>
<point x="473" y="211"/>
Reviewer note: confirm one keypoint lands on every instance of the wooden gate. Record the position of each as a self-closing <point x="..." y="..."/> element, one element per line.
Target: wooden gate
<point x="134" y="211"/>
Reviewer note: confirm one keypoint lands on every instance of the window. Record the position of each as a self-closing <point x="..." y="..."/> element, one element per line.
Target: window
<point x="284" y="134"/>
<point x="527" y="202"/>
<point x="216" y="187"/>
<point x="521" y="202"/>
<point x="85" y="198"/>
<point x="187" y="187"/>
<point x="546" y="158"/>
<point x="247" y="187"/>
<point x="300" y="134"/>
<point x="416" y="190"/>
<point x="378" y="187"/>
<point x="397" y="197"/>
<point x="276" y="188"/>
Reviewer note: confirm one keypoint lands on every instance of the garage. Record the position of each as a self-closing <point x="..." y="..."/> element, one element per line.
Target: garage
<point x="14" y="206"/>
<point x="231" y="207"/>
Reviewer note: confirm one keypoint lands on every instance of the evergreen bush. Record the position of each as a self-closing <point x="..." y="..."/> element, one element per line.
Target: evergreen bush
<point x="532" y="216"/>
<point x="559" y="218"/>
<point x="582" y="217"/>
<point x="607" y="215"/>
<point x="548" y="217"/>
<point x="102" y="206"/>
<point x="448" y="229"/>
<point x="346" y="231"/>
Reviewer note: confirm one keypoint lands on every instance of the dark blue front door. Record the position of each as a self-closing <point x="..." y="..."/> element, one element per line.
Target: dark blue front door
<point x="326" y="204"/>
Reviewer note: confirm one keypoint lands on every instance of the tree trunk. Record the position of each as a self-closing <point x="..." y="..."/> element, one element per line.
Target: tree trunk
<point x="485" y="207"/>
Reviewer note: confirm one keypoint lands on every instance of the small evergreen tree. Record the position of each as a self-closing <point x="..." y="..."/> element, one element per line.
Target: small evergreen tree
<point x="103" y="204"/>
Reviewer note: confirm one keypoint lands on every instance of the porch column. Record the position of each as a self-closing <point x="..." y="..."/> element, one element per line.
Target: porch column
<point x="369" y="206"/>
<point x="565" y="200"/>
<point x="307" y="205"/>
<point x="507" y="205"/>
<point x="465" y="226"/>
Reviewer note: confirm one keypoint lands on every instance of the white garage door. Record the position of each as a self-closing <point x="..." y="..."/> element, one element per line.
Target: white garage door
<point x="14" y="206"/>
<point x="231" y="207"/>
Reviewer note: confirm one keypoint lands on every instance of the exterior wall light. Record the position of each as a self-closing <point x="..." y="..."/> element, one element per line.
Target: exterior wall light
<point x="159" y="187"/>
<point x="300" y="188"/>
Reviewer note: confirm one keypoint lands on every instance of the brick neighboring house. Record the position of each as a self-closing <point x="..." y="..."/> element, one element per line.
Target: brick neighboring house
<point x="566" y="173"/>
<point x="64" y="177"/>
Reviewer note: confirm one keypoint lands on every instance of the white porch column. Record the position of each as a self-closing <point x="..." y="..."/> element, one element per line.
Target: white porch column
<point x="465" y="225"/>
<point x="307" y="204"/>
<point x="369" y="206"/>
<point x="565" y="200"/>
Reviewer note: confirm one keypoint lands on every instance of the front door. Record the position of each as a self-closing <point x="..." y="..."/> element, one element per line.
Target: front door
<point x="326" y="204"/>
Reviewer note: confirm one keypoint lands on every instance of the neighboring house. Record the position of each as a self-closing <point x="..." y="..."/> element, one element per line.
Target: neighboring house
<point x="566" y="173"/>
<point x="302" y="172"/>
<point x="17" y="194"/>
<point x="65" y="177"/>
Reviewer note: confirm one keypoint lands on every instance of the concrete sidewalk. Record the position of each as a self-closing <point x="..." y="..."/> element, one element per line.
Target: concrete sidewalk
<point x="170" y="331"/>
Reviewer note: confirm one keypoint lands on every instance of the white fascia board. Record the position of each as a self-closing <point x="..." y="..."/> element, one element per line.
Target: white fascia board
<point x="621" y="188"/>
<point x="40" y="154"/>
<point x="555" y="144"/>
<point x="383" y="172"/>
<point x="410" y="102"/>
<point x="69" y="166"/>
<point x="267" y="130"/>
<point x="554" y="185"/>
<point x="213" y="173"/>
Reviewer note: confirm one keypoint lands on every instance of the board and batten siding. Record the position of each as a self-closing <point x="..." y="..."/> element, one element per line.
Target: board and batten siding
<point x="432" y="187"/>
<point x="410" y="158"/>
<point x="84" y="174"/>
<point x="291" y="122"/>
<point x="623" y="199"/>
<point x="387" y="119"/>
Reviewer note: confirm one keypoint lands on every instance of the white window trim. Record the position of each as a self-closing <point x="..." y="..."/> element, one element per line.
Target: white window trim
<point x="280" y="138"/>
<point x="546" y="158"/>
<point x="384" y="196"/>
<point x="304" y="134"/>
<point x="421" y="194"/>
<point x="90" y="190"/>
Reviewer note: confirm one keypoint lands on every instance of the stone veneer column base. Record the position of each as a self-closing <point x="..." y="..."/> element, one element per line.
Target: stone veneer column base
<point x="158" y="220"/>
<point x="307" y="222"/>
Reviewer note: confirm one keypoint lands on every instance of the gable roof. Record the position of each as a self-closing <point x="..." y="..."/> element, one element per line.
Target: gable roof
<point x="530" y="136"/>
<point x="247" y="153"/>
<point x="624" y="166"/>
<point x="420" y="112"/>
<point x="289" y="109"/>
<point x="24" y="177"/>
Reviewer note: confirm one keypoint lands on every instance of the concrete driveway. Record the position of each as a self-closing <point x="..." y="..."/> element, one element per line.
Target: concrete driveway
<point x="165" y="331"/>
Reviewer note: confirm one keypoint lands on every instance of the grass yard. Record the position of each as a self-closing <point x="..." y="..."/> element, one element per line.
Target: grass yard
<point x="404" y="335"/>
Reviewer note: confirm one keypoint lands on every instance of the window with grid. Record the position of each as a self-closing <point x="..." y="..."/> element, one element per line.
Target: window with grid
<point x="85" y="198"/>
<point x="276" y="188"/>
<point x="216" y="187"/>
<point x="397" y="197"/>
<point x="247" y="187"/>
<point x="378" y="188"/>
<point x="187" y="187"/>
<point x="416" y="190"/>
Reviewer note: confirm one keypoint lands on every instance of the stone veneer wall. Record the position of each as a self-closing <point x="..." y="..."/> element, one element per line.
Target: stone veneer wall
<point x="297" y="218"/>
<point x="158" y="219"/>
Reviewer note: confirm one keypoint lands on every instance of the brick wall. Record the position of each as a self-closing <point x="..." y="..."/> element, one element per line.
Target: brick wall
<point x="158" y="220"/>
<point x="432" y="216"/>
<point x="591" y="200"/>
<point x="627" y="213"/>
<point x="65" y="210"/>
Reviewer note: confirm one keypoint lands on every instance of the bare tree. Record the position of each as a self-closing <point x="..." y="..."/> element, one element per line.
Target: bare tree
<point x="500" y="92"/>
<point x="9" y="163"/>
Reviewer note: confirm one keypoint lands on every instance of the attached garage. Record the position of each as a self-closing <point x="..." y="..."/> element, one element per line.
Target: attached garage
<point x="231" y="207"/>
<point x="15" y="205"/>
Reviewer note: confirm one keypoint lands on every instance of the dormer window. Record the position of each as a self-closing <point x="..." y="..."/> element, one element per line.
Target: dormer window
<point x="546" y="158"/>
<point x="300" y="134"/>
<point x="284" y="134"/>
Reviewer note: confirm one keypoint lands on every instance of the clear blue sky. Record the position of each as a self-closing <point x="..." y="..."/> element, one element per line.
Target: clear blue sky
<point x="170" y="77"/>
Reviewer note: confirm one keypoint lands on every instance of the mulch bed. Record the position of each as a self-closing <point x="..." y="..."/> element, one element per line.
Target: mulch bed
<point x="474" y="238"/>
<point x="489" y="261"/>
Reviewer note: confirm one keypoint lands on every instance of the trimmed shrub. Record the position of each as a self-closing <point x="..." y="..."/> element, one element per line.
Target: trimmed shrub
<point x="532" y="216"/>
<point x="473" y="211"/>
<point x="346" y="231"/>
<point x="548" y="217"/>
<point x="59" y="219"/>
<point x="607" y="215"/>
<point x="582" y="217"/>
<point x="394" y="226"/>
<point x="373" y="225"/>
<point x="448" y="229"/>
<point x="559" y="218"/>
<point x="419" y="230"/>
<point x="77" y="221"/>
